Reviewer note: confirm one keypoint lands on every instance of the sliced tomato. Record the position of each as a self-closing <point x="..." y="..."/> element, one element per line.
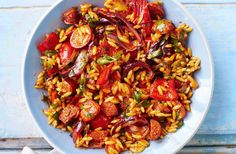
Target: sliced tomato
<point x="155" y="129"/>
<point x="103" y="78"/>
<point x="101" y="120"/>
<point x="81" y="36"/>
<point x="169" y="94"/>
<point x="49" y="42"/>
<point x="90" y="110"/>
<point x="67" y="53"/>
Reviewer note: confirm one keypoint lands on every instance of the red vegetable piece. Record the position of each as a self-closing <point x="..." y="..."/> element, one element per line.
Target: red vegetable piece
<point x="53" y="96"/>
<point x="51" y="72"/>
<point x="66" y="54"/>
<point x="71" y="16"/>
<point x="103" y="78"/>
<point x="169" y="94"/>
<point x="77" y="129"/>
<point x="49" y="42"/>
<point x="155" y="9"/>
<point x="101" y="120"/>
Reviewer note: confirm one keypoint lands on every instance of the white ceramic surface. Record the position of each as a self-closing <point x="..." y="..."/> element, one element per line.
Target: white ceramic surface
<point x="172" y="142"/>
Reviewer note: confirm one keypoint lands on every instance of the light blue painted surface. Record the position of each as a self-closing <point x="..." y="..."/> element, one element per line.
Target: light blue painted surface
<point x="34" y="3"/>
<point x="217" y="21"/>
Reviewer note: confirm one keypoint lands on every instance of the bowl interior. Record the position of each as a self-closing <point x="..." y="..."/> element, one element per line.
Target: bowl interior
<point x="172" y="142"/>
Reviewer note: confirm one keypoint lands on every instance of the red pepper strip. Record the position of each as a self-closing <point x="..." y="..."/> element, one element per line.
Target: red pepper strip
<point x="103" y="78"/>
<point x="49" y="42"/>
<point x="134" y="64"/>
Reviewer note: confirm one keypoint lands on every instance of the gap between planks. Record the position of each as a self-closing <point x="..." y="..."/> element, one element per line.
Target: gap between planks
<point x="199" y="140"/>
<point x="184" y="3"/>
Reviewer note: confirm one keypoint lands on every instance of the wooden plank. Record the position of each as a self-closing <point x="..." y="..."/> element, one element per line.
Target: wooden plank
<point x="208" y="150"/>
<point x="12" y="151"/>
<point x="197" y="141"/>
<point x="192" y="150"/>
<point x="217" y="25"/>
<point x="12" y="146"/>
<point x="43" y="3"/>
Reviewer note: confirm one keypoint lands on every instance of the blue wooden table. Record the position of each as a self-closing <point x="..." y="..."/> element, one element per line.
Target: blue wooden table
<point x="218" y="21"/>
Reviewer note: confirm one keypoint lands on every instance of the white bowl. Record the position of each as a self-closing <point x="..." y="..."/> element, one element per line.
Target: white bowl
<point x="173" y="142"/>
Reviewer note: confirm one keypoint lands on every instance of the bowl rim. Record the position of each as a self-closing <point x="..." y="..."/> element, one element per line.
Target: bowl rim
<point x="202" y="36"/>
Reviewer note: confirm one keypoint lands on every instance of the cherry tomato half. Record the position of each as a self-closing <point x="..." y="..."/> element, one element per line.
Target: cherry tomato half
<point x="81" y="36"/>
<point x="66" y="53"/>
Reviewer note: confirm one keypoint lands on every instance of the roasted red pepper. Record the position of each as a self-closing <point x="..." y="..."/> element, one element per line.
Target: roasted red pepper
<point x="103" y="78"/>
<point x="101" y="120"/>
<point x="49" y="42"/>
<point x="168" y="91"/>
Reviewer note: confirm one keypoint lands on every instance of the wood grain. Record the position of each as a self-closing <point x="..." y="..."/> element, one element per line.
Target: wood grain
<point x="192" y="150"/>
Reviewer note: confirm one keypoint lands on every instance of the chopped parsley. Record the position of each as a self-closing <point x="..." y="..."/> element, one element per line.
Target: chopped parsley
<point x="137" y="95"/>
<point x="146" y="103"/>
<point x="50" y="53"/>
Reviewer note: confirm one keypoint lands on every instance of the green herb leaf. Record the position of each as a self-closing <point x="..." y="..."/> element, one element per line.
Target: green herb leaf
<point x="180" y="124"/>
<point x="55" y="115"/>
<point x="157" y="53"/>
<point x="90" y="20"/>
<point x="90" y="115"/>
<point x="118" y="55"/>
<point x="45" y="99"/>
<point x="82" y="84"/>
<point x="160" y="25"/>
<point x="146" y="103"/>
<point x="50" y="53"/>
<point x="105" y="60"/>
<point x="175" y="42"/>
<point x="124" y="114"/>
<point x="54" y="106"/>
<point x="137" y="95"/>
